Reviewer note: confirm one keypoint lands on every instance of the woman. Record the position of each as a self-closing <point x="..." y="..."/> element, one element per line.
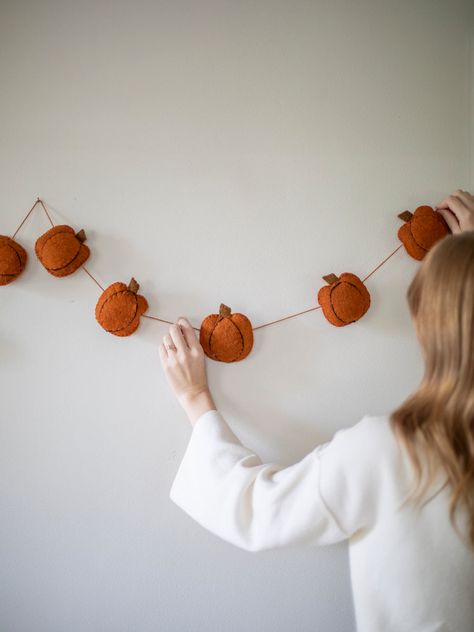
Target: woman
<point x="399" y="487"/>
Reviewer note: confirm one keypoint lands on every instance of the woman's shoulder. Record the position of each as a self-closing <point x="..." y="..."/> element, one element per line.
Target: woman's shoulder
<point x="375" y="426"/>
<point x="370" y="426"/>
<point x="360" y="470"/>
<point x="367" y="442"/>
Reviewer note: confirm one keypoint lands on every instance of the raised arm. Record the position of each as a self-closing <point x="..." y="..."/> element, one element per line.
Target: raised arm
<point x="226" y="488"/>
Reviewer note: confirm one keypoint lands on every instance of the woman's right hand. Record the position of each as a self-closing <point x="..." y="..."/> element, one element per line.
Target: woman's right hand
<point x="458" y="211"/>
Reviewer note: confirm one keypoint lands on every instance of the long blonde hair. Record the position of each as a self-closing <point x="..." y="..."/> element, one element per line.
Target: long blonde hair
<point x="438" y="418"/>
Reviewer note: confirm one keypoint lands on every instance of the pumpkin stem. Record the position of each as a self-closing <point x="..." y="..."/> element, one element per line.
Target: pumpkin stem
<point x="81" y="235"/>
<point x="331" y="278"/>
<point x="224" y="311"/>
<point x="133" y="286"/>
<point x="405" y="216"/>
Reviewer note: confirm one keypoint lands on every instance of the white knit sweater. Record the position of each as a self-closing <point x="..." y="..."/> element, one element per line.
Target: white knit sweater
<point x="409" y="569"/>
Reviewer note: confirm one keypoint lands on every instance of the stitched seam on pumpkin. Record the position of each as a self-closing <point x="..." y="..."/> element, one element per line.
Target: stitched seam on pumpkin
<point x="417" y="243"/>
<point x="17" y="254"/>
<point x="213" y="353"/>
<point x="62" y="232"/>
<point x="19" y="261"/>
<point x="108" y="299"/>
<point x="332" y="306"/>
<point x="347" y="322"/>
<point x="209" y="341"/>
<point x="68" y="264"/>
<point x="241" y="338"/>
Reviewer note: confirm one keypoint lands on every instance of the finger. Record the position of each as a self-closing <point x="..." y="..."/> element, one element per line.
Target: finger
<point x="188" y="332"/>
<point x="451" y="220"/>
<point x="178" y="338"/>
<point x="163" y="353"/>
<point x="465" y="196"/>
<point x="453" y="203"/>
<point x="169" y="344"/>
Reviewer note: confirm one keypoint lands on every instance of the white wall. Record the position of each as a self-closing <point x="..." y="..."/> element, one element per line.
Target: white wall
<point x="219" y="152"/>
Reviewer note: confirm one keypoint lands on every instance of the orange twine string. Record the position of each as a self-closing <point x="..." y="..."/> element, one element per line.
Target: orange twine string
<point x="24" y="220"/>
<point x="170" y="322"/>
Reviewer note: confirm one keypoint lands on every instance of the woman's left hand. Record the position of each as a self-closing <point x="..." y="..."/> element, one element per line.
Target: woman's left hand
<point x="183" y="361"/>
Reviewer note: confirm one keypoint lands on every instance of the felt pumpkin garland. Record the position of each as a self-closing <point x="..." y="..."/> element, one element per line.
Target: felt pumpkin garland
<point x="421" y="230"/>
<point x="13" y="258"/>
<point x="119" y="308"/>
<point x="226" y="336"/>
<point x="61" y="250"/>
<point x="344" y="300"/>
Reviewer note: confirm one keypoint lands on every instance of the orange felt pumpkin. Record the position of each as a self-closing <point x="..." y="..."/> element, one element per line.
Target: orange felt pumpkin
<point x="61" y="251"/>
<point x="119" y="308"/>
<point x="13" y="259"/>
<point x="344" y="300"/>
<point x="226" y="337"/>
<point x="421" y="230"/>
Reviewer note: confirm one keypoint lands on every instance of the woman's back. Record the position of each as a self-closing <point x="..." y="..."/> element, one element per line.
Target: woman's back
<point x="410" y="570"/>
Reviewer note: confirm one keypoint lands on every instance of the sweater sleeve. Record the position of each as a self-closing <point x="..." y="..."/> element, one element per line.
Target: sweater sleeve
<point x="226" y="488"/>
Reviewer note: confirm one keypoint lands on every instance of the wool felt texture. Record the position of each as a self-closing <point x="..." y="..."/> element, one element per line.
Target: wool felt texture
<point x="119" y="308"/>
<point x="61" y="250"/>
<point x="344" y="300"/>
<point x="13" y="258"/>
<point x="226" y="337"/>
<point x="421" y="230"/>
